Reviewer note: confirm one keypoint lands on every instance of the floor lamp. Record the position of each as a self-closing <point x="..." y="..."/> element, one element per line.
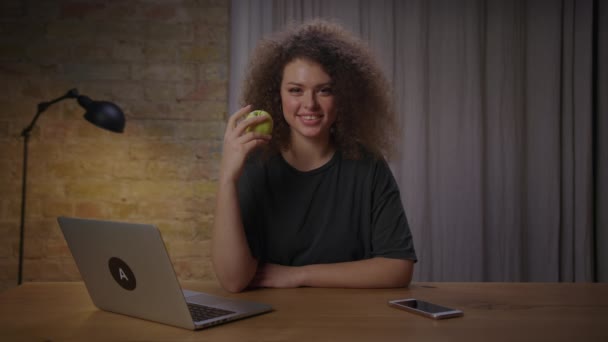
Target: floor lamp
<point x="103" y="114"/>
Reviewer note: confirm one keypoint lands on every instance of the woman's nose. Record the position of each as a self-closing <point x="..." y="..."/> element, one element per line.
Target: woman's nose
<point x="310" y="100"/>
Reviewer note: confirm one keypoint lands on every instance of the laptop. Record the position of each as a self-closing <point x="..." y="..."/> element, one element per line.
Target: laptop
<point x="126" y="270"/>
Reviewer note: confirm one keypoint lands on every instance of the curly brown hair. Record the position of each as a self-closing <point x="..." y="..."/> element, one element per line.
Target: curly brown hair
<point x="365" y="115"/>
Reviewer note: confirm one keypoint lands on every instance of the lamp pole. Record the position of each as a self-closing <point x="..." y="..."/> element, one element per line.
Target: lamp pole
<point x="26" y="139"/>
<point x="103" y="114"/>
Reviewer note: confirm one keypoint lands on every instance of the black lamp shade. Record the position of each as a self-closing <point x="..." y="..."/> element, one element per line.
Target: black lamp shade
<point x="103" y="114"/>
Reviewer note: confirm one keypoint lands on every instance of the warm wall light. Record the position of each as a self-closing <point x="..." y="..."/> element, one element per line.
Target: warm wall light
<point x="102" y="114"/>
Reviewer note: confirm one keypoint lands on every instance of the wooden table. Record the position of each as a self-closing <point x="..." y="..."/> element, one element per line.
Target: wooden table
<point x="493" y="312"/>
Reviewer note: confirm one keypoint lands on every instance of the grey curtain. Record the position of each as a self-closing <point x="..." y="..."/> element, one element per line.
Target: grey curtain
<point x="503" y="114"/>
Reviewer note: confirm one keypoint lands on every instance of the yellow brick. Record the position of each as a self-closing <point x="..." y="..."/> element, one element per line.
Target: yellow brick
<point x="125" y="90"/>
<point x="44" y="150"/>
<point x="54" y="231"/>
<point x="39" y="230"/>
<point x="193" y="269"/>
<point x="94" y="169"/>
<point x="176" y="230"/>
<point x="33" y="209"/>
<point x="158" y="52"/>
<point x="10" y="186"/>
<point x="88" y="52"/>
<point x="202" y="53"/>
<point x="44" y="189"/>
<point x="167" y="209"/>
<point x="100" y="145"/>
<point x="155" y="128"/>
<point x="91" y="210"/>
<point x="160" y="91"/>
<point x="21" y="110"/>
<point x="127" y="51"/>
<point x="8" y="276"/>
<point x="94" y="190"/>
<point x="207" y="110"/>
<point x="129" y="169"/>
<point x="213" y="72"/>
<point x="161" y="189"/>
<point x="66" y="30"/>
<point x="61" y="169"/>
<point x="164" y="72"/>
<point x="55" y="269"/>
<point x="189" y="249"/>
<point x="214" y="16"/>
<point x="49" y="52"/>
<point x="58" y="248"/>
<point x="144" y="150"/>
<point x="170" y="31"/>
<point x="57" y="207"/>
<point x="13" y="208"/>
<point x="212" y="35"/>
<point x="204" y="227"/>
<point x="9" y="238"/>
<point x="204" y="91"/>
<point x="203" y="170"/>
<point x="34" y="247"/>
<point x="153" y="211"/>
<point x="12" y="150"/>
<point x="58" y="130"/>
<point x="4" y="130"/>
<point x="9" y="248"/>
<point x="208" y="204"/>
<point x="98" y="71"/>
<point x="203" y="188"/>
<point x="165" y="170"/>
<point x="12" y="52"/>
<point x="121" y="210"/>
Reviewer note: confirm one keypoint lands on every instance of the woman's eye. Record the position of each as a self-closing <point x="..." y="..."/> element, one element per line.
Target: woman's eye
<point x="326" y="91"/>
<point x="295" y="90"/>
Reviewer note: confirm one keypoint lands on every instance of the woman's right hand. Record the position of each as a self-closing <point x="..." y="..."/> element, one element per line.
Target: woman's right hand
<point x="238" y="143"/>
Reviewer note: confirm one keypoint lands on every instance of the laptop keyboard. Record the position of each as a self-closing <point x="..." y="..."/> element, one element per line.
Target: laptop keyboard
<point x="201" y="312"/>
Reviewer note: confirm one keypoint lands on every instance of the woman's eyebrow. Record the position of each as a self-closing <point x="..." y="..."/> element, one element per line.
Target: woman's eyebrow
<point x="316" y="86"/>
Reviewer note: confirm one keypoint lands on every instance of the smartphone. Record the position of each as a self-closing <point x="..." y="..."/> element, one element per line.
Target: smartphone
<point x="425" y="309"/>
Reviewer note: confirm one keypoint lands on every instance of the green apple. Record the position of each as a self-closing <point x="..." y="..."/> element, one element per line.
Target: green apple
<point x="263" y="127"/>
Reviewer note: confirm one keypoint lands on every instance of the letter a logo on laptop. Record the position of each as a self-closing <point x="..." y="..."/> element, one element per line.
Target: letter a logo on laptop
<point x="122" y="273"/>
<point x="155" y="293"/>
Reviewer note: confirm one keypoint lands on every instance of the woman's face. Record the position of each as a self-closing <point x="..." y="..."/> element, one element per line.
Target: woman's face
<point x="308" y="101"/>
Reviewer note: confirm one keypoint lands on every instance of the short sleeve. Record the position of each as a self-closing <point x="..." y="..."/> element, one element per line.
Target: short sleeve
<point x="391" y="236"/>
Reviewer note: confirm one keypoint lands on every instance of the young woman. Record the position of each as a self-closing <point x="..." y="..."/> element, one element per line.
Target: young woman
<point x="315" y="204"/>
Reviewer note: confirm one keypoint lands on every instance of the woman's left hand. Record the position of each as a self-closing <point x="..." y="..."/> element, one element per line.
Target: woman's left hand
<point x="278" y="276"/>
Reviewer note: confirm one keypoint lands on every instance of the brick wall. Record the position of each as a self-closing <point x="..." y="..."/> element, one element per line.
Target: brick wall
<point x="165" y="63"/>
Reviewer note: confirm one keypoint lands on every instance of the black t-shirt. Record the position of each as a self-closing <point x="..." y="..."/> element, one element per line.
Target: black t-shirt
<point x="346" y="210"/>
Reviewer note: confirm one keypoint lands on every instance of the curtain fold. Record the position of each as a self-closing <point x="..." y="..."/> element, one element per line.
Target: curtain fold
<point x="600" y="139"/>
<point x="577" y="137"/>
<point x="503" y="150"/>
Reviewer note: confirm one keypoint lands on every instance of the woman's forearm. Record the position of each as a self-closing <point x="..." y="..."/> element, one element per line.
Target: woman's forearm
<point x="371" y="273"/>
<point x="234" y="266"/>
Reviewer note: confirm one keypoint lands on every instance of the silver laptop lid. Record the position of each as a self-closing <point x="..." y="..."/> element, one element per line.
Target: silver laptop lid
<point x="127" y="270"/>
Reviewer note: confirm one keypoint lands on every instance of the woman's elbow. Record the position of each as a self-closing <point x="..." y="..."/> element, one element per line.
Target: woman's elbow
<point x="236" y="280"/>
<point x="233" y="287"/>
<point x="403" y="277"/>
<point x="233" y="283"/>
